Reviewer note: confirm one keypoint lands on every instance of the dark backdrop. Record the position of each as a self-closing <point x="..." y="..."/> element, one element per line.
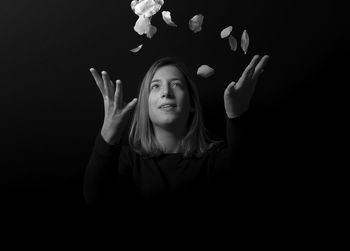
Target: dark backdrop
<point x="51" y="109"/>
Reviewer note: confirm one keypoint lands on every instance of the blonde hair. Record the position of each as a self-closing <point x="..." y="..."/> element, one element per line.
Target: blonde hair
<point x="141" y="135"/>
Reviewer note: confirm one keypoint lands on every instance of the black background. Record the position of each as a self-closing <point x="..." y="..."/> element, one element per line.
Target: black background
<point x="51" y="109"/>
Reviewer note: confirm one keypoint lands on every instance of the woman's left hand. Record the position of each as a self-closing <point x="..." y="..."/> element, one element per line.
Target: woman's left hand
<point x="237" y="95"/>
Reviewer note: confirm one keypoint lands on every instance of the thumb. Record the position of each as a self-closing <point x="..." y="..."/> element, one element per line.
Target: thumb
<point x="233" y="83"/>
<point x="230" y="86"/>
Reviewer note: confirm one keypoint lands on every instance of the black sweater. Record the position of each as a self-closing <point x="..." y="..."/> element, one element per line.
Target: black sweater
<point x="118" y="177"/>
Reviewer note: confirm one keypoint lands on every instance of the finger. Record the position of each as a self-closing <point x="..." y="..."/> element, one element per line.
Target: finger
<point x="113" y="88"/>
<point x="247" y="74"/>
<point x="118" y="95"/>
<point x="230" y="87"/>
<point x="107" y="85"/>
<point x="112" y="84"/>
<point x="98" y="80"/>
<point x="260" y="66"/>
<point x="130" y="105"/>
<point x="250" y="67"/>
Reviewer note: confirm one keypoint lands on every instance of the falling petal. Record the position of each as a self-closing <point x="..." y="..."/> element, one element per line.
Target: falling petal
<point x="233" y="42"/>
<point x="195" y="23"/>
<point x="205" y="71"/>
<point x="137" y="48"/>
<point x="167" y="18"/>
<point x="151" y="31"/>
<point x="245" y="41"/>
<point x="142" y="25"/>
<point x="226" y="32"/>
<point x="146" y="8"/>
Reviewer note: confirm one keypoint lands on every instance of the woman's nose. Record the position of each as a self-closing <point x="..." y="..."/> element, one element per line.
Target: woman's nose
<point x="166" y="91"/>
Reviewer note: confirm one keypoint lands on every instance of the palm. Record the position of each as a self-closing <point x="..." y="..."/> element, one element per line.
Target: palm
<point x="238" y="94"/>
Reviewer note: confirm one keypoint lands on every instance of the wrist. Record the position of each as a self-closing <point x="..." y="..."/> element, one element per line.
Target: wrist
<point x="109" y="137"/>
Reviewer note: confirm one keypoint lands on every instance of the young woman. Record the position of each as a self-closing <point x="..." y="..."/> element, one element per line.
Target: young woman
<point x="169" y="158"/>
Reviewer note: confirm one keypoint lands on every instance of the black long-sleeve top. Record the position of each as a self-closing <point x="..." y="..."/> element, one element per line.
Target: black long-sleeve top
<point x="118" y="177"/>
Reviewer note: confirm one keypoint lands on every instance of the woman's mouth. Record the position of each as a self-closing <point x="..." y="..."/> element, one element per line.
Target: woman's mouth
<point x="168" y="107"/>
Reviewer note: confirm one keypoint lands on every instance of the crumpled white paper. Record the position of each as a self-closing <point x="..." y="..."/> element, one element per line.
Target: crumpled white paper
<point x="145" y="9"/>
<point x="205" y="71"/>
<point x="195" y="23"/>
<point x="226" y="32"/>
<point x="167" y="18"/>
<point x="142" y="25"/>
<point x="245" y="41"/>
<point x="152" y="30"/>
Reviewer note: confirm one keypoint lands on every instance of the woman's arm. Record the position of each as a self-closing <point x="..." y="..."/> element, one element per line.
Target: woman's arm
<point x="101" y="172"/>
<point x="236" y="130"/>
<point x="237" y="97"/>
<point x="102" y="175"/>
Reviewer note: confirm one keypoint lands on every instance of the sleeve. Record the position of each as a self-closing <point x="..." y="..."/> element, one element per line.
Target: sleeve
<point x="236" y="129"/>
<point x="101" y="172"/>
<point x="229" y="157"/>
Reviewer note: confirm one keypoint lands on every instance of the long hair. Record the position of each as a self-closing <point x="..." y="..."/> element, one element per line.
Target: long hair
<point x="141" y="135"/>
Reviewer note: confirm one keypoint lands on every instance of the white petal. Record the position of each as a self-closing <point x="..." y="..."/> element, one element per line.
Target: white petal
<point x="226" y="32"/>
<point x="195" y="23"/>
<point x="245" y="41"/>
<point x="205" y="71"/>
<point x="137" y="48"/>
<point x="151" y="31"/>
<point x="167" y="18"/>
<point x="142" y="25"/>
<point x="146" y="8"/>
<point x="233" y="42"/>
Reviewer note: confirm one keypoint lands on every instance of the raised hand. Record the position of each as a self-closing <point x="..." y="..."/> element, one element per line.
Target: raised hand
<point x="117" y="111"/>
<point x="238" y="94"/>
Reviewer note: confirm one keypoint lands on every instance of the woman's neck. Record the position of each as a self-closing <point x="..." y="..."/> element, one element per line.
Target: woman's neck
<point x="169" y="140"/>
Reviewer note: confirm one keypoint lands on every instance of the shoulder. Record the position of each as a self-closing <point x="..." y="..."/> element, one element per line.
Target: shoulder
<point x="216" y="146"/>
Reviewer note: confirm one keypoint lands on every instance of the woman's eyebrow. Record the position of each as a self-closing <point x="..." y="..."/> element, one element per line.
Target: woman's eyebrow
<point x="172" y="79"/>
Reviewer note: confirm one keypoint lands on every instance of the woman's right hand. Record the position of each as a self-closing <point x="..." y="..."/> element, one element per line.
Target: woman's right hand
<point x="117" y="112"/>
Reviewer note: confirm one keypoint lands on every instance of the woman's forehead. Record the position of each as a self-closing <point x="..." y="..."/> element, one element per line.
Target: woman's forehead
<point x="167" y="71"/>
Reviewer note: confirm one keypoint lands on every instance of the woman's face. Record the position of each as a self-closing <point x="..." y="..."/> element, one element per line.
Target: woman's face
<point x="168" y="86"/>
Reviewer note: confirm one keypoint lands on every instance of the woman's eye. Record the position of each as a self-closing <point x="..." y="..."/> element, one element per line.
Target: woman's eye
<point x="173" y="84"/>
